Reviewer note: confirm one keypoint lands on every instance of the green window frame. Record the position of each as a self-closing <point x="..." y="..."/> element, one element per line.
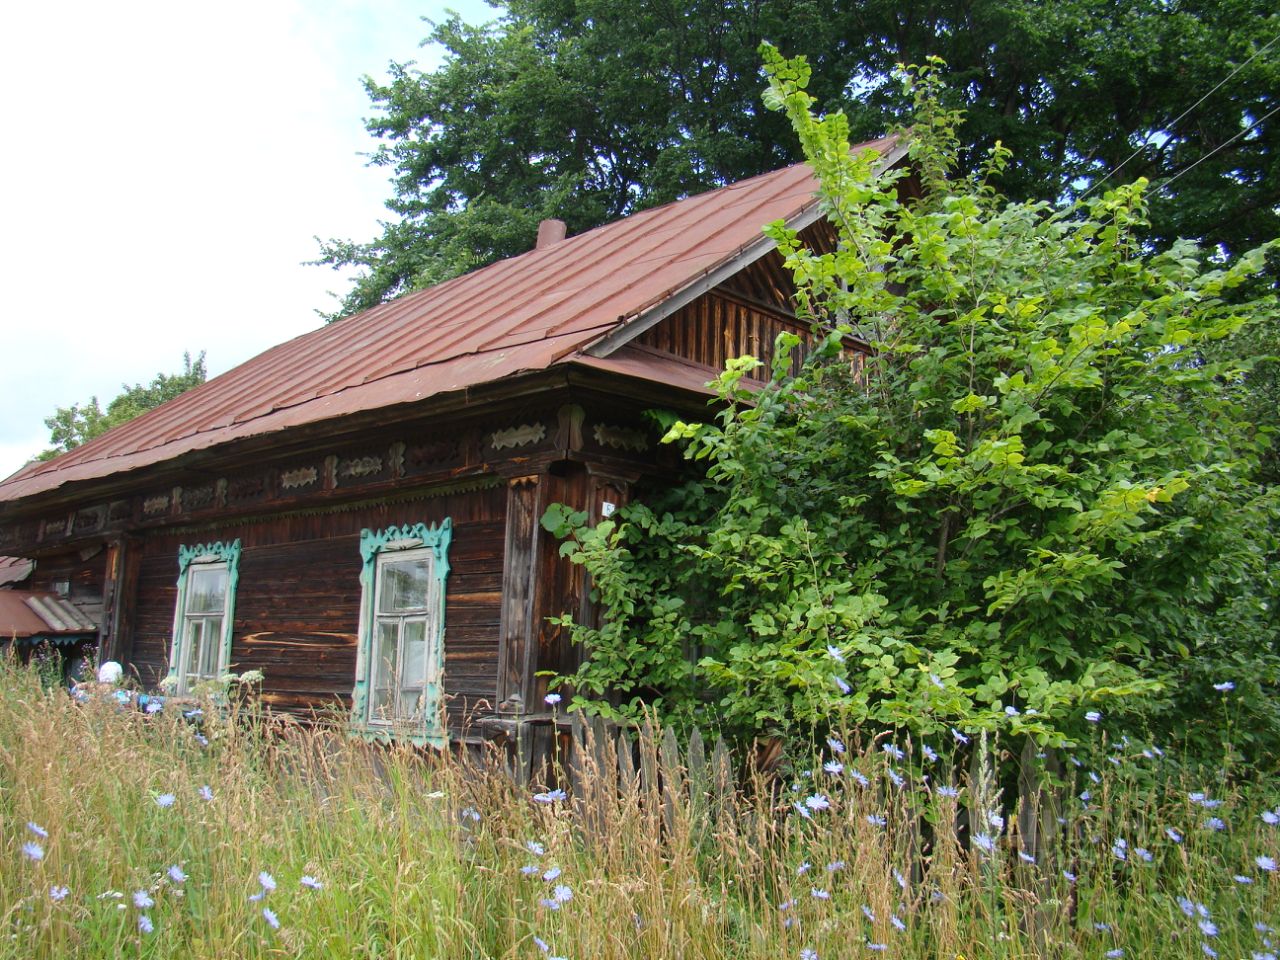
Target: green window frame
<point x="204" y="614"/>
<point x="400" y="652"/>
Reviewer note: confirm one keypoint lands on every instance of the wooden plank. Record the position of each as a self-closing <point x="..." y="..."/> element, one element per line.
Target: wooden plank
<point x="672" y="774"/>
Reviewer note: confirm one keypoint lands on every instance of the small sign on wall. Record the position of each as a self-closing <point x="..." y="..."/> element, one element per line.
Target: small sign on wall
<point x="607" y="508"/>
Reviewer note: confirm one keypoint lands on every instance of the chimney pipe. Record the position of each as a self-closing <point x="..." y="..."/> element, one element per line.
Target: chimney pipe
<point x="550" y="232"/>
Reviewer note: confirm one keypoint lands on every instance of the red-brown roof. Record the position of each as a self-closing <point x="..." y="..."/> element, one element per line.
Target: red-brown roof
<point x="522" y="314"/>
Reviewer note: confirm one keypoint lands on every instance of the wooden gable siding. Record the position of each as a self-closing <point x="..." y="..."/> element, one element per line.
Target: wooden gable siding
<point x="742" y="316"/>
<point x="297" y="605"/>
<point x="717" y="327"/>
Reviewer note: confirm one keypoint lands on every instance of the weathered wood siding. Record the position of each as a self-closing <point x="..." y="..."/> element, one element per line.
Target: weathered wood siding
<point x="85" y="579"/>
<point x="744" y="315"/>
<point x="297" y="604"/>
<point x="716" y="328"/>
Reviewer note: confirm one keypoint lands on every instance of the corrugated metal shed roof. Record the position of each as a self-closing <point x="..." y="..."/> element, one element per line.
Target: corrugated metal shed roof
<point x="27" y="614"/>
<point x="522" y="314"/>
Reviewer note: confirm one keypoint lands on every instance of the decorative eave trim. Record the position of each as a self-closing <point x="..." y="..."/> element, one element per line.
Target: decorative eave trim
<point x="629" y="329"/>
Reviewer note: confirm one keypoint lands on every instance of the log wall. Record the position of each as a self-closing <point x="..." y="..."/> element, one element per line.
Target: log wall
<point x="297" y="603"/>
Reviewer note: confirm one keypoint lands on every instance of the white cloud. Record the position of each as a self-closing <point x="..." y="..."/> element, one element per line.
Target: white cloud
<point x="166" y="167"/>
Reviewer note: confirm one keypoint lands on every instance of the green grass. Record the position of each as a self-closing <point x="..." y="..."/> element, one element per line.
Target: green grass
<point x="423" y="859"/>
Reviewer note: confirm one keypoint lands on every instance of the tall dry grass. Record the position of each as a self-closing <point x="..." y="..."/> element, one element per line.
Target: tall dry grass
<point x="419" y="858"/>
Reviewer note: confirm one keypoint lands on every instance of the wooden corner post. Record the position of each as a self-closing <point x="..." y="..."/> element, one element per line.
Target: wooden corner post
<point x="521" y="573"/>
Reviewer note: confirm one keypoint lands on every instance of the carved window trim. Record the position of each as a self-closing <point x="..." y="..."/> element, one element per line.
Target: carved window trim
<point x="409" y="541"/>
<point x="204" y="556"/>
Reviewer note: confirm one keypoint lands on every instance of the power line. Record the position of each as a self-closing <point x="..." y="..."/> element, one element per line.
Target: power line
<point x="1245" y="132"/>
<point x="1169" y="126"/>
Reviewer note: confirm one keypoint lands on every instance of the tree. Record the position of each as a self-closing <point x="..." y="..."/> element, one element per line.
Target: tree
<point x="1038" y="499"/>
<point x="565" y="109"/>
<point x="71" y="426"/>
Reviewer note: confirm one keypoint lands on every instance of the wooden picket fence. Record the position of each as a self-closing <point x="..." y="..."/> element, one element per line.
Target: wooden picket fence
<point x="607" y="766"/>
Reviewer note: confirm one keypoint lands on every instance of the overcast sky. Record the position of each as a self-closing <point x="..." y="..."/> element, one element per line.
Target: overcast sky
<point x="165" y="167"/>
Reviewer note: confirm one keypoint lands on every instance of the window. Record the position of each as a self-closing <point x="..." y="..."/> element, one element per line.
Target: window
<point x="207" y="578"/>
<point x="400" y="660"/>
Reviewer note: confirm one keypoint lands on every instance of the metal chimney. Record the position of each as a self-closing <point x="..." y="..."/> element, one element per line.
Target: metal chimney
<point x="550" y="232"/>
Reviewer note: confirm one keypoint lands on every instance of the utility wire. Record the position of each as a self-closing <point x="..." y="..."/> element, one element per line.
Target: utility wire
<point x="1222" y="146"/>
<point x="1169" y="126"/>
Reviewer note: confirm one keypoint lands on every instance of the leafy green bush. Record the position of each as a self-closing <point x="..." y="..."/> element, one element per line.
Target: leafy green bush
<point x="1034" y="495"/>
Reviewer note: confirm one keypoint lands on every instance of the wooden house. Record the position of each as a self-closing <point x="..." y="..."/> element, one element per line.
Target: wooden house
<point x="355" y="513"/>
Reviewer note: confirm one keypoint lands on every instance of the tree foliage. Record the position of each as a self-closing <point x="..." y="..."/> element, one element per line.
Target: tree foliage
<point x="71" y="426"/>
<point x="1036" y="499"/>
<point x="566" y="109"/>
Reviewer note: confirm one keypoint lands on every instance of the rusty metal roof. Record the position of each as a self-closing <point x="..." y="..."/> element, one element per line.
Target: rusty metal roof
<point x="27" y="614"/>
<point x="522" y="314"/>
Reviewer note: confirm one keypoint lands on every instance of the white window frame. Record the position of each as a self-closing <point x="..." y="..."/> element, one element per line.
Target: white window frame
<point x="202" y="557"/>
<point x="378" y="549"/>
